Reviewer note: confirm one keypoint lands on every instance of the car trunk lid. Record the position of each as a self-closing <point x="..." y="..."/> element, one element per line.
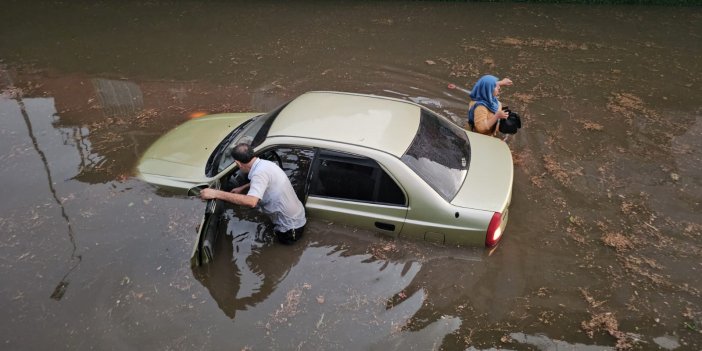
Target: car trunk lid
<point x="488" y="184"/>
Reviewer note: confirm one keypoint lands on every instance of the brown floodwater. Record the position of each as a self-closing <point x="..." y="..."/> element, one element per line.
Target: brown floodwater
<point x="604" y="245"/>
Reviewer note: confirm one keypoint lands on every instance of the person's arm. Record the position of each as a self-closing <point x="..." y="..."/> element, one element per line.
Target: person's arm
<point x="504" y="81"/>
<point x="242" y="189"/>
<point x="237" y="199"/>
<point x="485" y="120"/>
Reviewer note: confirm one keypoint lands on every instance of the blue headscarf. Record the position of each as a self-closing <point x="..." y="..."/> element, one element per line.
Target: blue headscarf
<point x="482" y="93"/>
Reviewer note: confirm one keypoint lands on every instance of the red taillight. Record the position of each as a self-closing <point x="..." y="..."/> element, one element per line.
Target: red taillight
<point x="494" y="233"/>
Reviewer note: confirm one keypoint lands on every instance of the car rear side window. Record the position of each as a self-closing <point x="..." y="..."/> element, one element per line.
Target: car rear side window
<point x="356" y="178"/>
<point x="439" y="154"/>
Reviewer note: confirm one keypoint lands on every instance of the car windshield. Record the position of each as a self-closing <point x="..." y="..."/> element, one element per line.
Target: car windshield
<point x="252" y="132"/>
<point x="439" y="154"/>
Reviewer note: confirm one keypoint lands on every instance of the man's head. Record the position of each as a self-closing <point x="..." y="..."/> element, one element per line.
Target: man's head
<point x="243" y="154"/>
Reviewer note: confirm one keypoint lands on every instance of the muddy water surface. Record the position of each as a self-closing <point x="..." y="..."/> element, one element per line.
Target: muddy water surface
<point x="604" y="242"/>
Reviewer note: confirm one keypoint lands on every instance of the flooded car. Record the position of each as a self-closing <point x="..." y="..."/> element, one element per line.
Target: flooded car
<point x="375" y="162"/>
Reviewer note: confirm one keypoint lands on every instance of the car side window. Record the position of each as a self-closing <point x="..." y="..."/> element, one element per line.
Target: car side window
<point x="296" y="162"/>
<point x="356" y="178"/>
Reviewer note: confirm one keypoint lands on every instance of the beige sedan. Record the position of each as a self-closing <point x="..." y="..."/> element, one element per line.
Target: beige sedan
<point x="375" y="162"/>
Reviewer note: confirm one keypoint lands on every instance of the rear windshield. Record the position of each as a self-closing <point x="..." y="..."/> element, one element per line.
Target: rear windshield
<point x="439" y="154"/>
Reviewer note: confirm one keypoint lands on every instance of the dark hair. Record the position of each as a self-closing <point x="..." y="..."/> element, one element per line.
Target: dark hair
<point x="243" y="153"/>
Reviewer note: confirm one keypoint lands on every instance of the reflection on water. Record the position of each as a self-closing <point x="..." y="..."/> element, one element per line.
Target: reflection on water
<point x="544" y="343"/>
<point x="118" y="98"/>
<point x="61" y="287"/>
<point x="346" y="296"/>
<point x="240" y="276"/>
<point x="19" y="103"/>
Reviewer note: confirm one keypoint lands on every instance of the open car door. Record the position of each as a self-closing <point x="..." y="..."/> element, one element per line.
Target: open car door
<point x="203" y="252"/>
<point x="210" y="229"/>
<point x="296" y="162"/>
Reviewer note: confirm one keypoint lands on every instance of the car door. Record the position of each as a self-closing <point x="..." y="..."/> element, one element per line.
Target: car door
<point x="355" y="190"/>
<point x="208" y="230"/>
<point x="295" y="161"/>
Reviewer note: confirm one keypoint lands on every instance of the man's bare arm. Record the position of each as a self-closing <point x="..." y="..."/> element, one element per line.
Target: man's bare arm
<point x="242" y="189"/>
<point x="238" y="199"/>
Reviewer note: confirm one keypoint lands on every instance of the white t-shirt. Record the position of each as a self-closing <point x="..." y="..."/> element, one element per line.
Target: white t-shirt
<point x="276" y="195"/>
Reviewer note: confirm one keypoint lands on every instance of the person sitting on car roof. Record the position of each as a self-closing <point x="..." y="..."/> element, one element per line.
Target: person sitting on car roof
<point x="269" y="187"/>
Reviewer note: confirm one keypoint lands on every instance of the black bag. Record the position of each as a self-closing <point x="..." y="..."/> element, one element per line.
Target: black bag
<point x="511" y="124"/>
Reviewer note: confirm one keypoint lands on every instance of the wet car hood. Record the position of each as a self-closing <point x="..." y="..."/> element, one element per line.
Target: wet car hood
<point x="488" y="184"/>
<point x="183" y="152"/>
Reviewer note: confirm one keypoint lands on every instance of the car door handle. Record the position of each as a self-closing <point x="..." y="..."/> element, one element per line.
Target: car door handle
<point x="385" y="226"/>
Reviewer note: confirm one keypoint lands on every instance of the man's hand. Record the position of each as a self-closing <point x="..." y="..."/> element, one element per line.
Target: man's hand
<point x="208" y="194"/>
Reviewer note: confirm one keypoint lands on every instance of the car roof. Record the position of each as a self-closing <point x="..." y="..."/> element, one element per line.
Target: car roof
<point x="371" y="121"/>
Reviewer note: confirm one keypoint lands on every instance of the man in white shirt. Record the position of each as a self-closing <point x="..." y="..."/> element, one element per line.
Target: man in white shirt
<point x="270" y="187"/>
